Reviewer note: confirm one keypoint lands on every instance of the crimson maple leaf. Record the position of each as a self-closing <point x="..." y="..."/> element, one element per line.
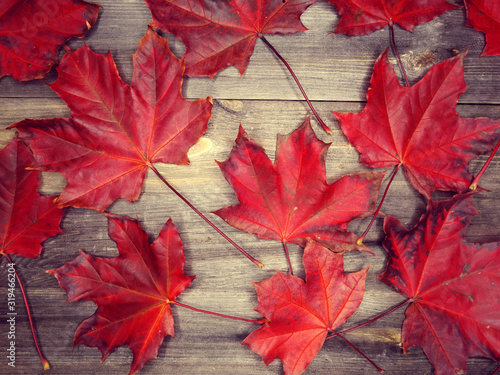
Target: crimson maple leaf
<point x="133" y="291"/>
<point x="453" y="285"/>
<point x="116" y="131"/>
<point x="302" y="313"/>
<point x="419" y="128"/>
<point x="26" y="218"/>
<point x="484" y="15"/>
<point x="291" y="201"/>
<point x="32" y="33"/>
<point x="360" y="17"/>
<point x="218" y="34"/>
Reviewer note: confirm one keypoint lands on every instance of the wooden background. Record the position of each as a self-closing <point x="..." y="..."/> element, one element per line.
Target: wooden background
<point x="335" y="71"/>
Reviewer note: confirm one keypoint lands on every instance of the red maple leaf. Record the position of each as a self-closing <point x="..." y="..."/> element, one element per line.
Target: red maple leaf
<point x="218" y="34"/>
<point x="360" y="17"/>
<point x="302" y="313"/>
<point x="26" y="218"/>
<point x="453" y="285"/>
<point x="419" y="128"/>
<point x="291" y="201"/>
<point x="133" y="291"/>
<point x="116" y="131"/>
<point x="484" y="15"/>
<point x="32" y="33"/>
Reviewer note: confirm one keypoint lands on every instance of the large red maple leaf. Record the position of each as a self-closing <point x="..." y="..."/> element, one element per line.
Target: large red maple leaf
<point x="454" y="285"/>
<point x="218" y="34"/>
<point x="359" y="17"/>
<point x="419" y="128"/>
<point x="484" y="15"/>
<point x="291" y="201"/>
<point x="116" y="131"/>
<point x="26" y="218"/>
<point x="32" y="33"/>
<point x="132" y="291"/>
<point x="302" y="313"/>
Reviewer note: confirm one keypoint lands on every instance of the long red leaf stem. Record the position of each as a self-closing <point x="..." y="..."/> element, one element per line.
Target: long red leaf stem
<point x="473" y="185"/>
<point x="288" y="257"/>
<point x="362" y="354"/>
<point x="339" y="334"/>
<point x="393" y="39"/>
<point x="44" y="361"/>
<point x="260" y="321"/>
<point x="271" y="47"/>
<point x="362" y="237"/>
<point x="255" y="261"/>
<point x="370" y="321"/>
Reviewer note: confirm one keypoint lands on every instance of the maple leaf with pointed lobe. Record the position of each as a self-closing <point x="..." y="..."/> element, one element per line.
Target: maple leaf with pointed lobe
<point x="26" y="218"/>
<point x="132" y="291"/>
<point x="484" y="15"/>
<point x="419" y="128"/>
<point x="32" y="33"/>
<point x="291" y="201"/>
<point x="116" y="131"/>
<point x="218" y="34"/>
<point x="454" y="285"/>
<point x="301" y="314"/>
<point x="360" y="17"/>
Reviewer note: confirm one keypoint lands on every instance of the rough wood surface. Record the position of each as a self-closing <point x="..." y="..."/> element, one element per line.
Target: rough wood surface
<point x="335" y="71"/>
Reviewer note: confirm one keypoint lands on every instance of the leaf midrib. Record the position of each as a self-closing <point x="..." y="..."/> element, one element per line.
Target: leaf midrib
<point x="117" y="122"/>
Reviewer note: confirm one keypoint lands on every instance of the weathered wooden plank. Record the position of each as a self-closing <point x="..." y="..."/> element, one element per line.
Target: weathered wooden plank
<point x="205" y="344"/>
<point x="262" y="120"/>
<point x="330" y="66"/>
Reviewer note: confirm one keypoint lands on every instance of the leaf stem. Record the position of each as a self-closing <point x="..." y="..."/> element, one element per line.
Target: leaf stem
<point x="362" y="237"/>
<point x="473" y="185"/>
<point x="370" y="321"/>
<point x="362" y="354"/>
<point x="260" y="321"/>
<point x="44" y="361"/>
<point x="497" y="371"/>
<point x="339" y="334"/>
<point x="271" y="47"/>
<point x="288" y="257"/>
<point x="255" y="261"/>
<point x="393" y="39"/>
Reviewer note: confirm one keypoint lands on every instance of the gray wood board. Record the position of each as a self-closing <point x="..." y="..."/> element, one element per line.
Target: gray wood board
<point x="335" y="71"/>
<point x="206" y="344"/>
<point x="330" y="66"/>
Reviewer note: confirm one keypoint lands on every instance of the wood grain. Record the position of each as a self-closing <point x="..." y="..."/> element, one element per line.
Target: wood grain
<point x="335" y="71"/>
<point x="331" y="66"/>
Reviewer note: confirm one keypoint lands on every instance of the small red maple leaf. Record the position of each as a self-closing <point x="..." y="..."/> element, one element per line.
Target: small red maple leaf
<point x="116" y="131"/>
<point x="454" y="285"/>
<point x="32" y="32"/>
<point x="218" y="34"/>
<point x="360" y="17"/>
<point x="302" y="313"/>
<point x="291" y="201"/>
<point x="132" y="291"/>
<point x="419" y="127"/>
<point x="26" y="218"/>
<point x="484" y="15"/>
